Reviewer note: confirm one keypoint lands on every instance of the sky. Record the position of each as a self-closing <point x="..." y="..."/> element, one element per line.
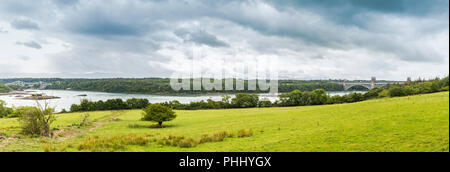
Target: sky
<point x="309" y="39"/>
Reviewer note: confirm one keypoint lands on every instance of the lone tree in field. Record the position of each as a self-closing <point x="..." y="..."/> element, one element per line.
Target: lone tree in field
<point x="158" y="113"/>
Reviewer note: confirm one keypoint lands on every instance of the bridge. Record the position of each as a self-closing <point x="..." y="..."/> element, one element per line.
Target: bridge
<point x="369" y="85"/>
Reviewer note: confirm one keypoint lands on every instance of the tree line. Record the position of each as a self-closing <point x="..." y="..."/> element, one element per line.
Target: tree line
<point x="246" y="100"/>
<point x="4" y="88"/>
<point x="162" y="86"/>
<point x="294" y="98"/>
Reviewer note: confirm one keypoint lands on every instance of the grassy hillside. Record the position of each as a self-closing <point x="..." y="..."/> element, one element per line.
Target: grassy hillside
<point x="416" y="123"/>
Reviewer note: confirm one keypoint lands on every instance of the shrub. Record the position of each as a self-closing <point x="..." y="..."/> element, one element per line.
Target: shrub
<point x="306" y="99"/>
<point x="293" y="98"/>
<point x="243" y="100"/>
<point x="425" y="87"/>
<point x="337" y="99"/>
<point x="265" y="103"/>
<point x="86" y="105"/>
<point x="63" y="111"/>
<point x="319" y="97"/>
<point x="402" y="91"/>
<point x="158" y="113"/>
<point x="75" y="108"/>
<point x="20" y="111"/>
<point x="135" y="103"/>
<point x="384" y="93"/>
<point x="115" y="104"/>
<point x="410" y="90"/>
<point x="37" y="121"/>
<point x="353" y="97"/>
<point x="373" y="93"/>
<point x="5" y="111"/>
<point x="396" y="92"/>
<point x="84" y="121"/>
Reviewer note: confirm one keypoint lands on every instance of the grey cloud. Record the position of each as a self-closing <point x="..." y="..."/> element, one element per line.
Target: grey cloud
<point x="24" y="58"/>
<point x="90" y="64"/>
<point x="65" y="2"/>
<point x="200" y="37"/>
<point x="19" y="7"/>
<point x="101" y="23"/>
<point x="321" y="30"/>
<point x="30" y="44"/>
<point x="24" y="24"/>
<point x="347" y="9"/>
<point x="104" y="27"/>
<point x="105" y="34"/>
<point x="113" y="57"/>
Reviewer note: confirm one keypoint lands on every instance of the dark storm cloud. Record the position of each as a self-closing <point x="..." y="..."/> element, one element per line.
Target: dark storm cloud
<point x="30" y="44"/>
<point x="24" y="24"/>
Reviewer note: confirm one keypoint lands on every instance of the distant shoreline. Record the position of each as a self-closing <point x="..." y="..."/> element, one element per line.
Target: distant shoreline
<point x="28" y="95"/>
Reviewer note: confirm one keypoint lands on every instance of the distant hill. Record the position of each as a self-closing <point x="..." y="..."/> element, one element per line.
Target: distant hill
<point x="162" y="85"/>
<point x="4" y="88"/>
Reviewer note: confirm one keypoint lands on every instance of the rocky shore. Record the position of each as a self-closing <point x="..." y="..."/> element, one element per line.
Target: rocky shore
<point x="29" y="95"/>
<point x="39" y="97"/>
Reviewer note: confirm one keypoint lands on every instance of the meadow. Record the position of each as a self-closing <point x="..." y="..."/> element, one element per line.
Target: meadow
<point x="414" y="123"/>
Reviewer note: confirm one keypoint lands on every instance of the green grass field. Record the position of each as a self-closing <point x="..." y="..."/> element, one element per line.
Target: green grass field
<point x="416" y="123"/>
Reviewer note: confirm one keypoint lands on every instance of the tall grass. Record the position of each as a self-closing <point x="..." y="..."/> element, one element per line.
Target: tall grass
<point x="109" y="144"/>
<point x="187" y="142"/>
<point x="120" y="142"/>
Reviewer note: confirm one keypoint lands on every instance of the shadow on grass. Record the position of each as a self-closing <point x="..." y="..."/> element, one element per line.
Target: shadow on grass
<point x="150" y="126"/>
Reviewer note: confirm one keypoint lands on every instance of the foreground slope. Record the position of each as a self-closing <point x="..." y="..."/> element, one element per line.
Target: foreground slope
<point x="416" y="123"/>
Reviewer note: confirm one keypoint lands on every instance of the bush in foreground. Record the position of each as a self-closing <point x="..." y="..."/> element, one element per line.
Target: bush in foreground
<point x="37" y="121"/>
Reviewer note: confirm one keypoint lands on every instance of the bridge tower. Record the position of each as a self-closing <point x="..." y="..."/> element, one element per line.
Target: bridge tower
<point x="372" y="83"/>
